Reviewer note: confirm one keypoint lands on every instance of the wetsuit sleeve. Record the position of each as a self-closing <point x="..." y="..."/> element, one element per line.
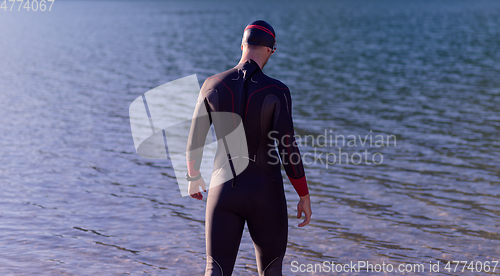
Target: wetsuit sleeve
<point x="200" y="125"/>
<point x="287" y="147"/>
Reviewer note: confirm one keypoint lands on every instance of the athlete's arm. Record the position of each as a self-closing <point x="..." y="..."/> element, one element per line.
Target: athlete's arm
<point x="288" y="149"/>
<point x="290" y="155"/>
<point x="200" y="125"/>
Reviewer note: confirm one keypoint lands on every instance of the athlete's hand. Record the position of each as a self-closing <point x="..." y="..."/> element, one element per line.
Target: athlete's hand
<point x="304" y="206"/>
<point x="194" y="188"/>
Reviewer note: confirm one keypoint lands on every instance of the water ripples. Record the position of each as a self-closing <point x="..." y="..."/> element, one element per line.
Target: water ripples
<point x="78" y="200"/>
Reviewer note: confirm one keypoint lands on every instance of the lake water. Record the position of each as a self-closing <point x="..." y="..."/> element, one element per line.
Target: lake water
<point x="77" y="200"/>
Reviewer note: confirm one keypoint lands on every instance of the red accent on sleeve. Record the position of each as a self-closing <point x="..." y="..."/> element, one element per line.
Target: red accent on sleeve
<point x="300" y="185"/>
<point x="192" y="172"/>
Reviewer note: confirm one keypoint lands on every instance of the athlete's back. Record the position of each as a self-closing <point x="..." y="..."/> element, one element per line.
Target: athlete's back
<point x="263" y="105"/>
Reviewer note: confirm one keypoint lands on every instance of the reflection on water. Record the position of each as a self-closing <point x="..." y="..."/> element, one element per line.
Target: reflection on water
<point x="77" y="199"/>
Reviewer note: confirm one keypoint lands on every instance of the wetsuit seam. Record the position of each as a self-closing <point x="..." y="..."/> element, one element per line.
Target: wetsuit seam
<point x="286" y="100"/>
<point x="207" y="106"/>
<point x="218" y="265"/>
<point x="217" y="171"/>
<point x="264" y="271"/>
<point x="232" y="98"/>
<point x="250" y="96"/>
<point x="289" y="154"/>
<point x="296" y="177"/>
<point x="266" y="99"/>
<point x="248" y="157"/>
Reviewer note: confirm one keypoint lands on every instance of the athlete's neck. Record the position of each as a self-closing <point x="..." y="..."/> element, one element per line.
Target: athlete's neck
<point x="260" y="63"/>
<point x="260" y="56"/>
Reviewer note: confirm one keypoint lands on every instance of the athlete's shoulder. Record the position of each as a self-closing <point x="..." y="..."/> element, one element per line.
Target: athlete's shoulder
<point x="269" y="81"/>
<point x="219" y="78"/>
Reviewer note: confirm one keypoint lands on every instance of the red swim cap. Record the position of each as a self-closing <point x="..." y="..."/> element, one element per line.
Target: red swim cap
<point x="259" y="33"/>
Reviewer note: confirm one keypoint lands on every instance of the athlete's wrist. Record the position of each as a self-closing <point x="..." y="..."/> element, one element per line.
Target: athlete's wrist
<point x="192" y="178"/>
<point x="306" y="197"/>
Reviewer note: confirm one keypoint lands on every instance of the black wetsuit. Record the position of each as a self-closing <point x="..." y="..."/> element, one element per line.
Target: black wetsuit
<point x="254" y="194"/>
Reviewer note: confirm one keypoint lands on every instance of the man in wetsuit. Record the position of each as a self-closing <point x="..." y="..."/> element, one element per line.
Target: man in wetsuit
<point x="252" y="192"/>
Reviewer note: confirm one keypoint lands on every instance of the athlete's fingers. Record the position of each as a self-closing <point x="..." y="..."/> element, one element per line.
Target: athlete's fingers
<point x="304" y="206"/>
<point x="305" y="222"/>
<point x="197" y="196"/>
<point x="307" y="213"/>
<point x="299" y="210"/>
<point x="194" y="190"/>
<point x="203" y="184"/>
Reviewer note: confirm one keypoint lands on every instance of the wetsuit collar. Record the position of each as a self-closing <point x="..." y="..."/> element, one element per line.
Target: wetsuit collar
<point x="247" y="65"/>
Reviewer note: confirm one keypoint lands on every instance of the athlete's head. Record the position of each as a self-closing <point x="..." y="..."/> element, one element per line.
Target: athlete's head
<point x="258" y="42"/>
<point x="259" y="33"/>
